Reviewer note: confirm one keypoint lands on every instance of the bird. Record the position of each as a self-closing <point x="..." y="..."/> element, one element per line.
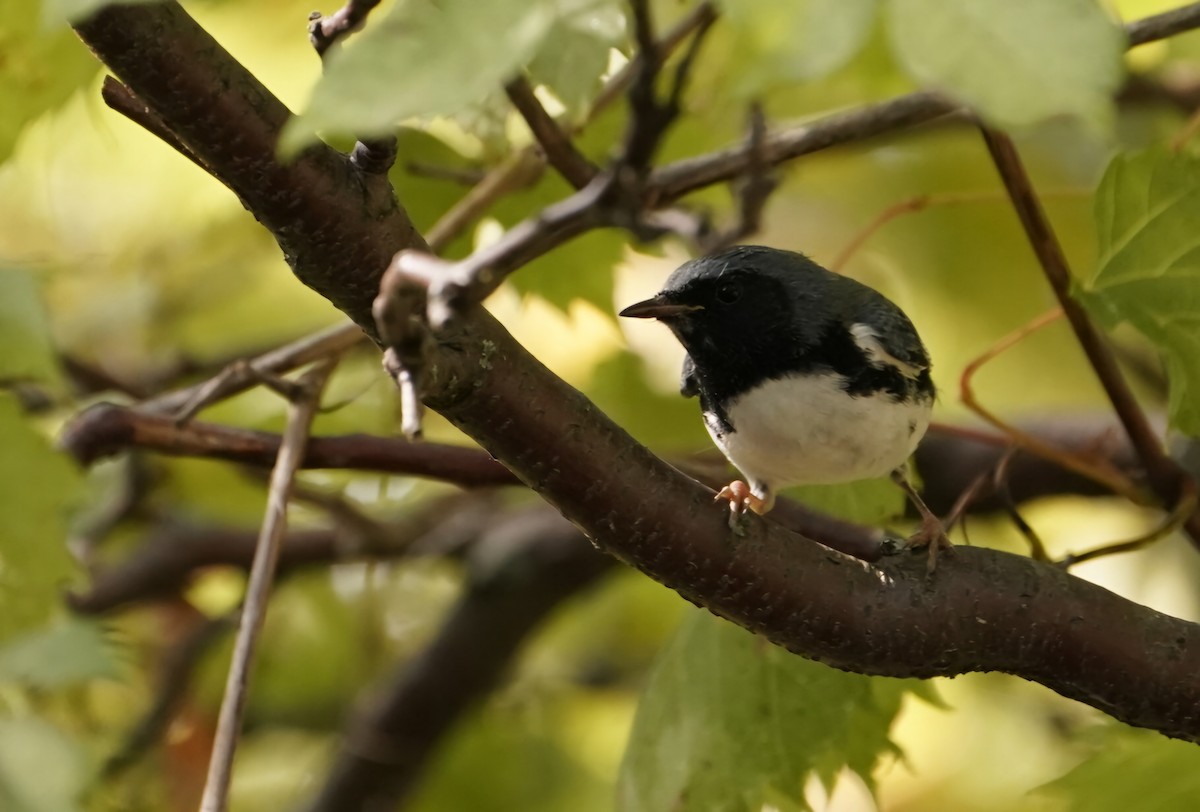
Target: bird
<point x="804" y="376"/>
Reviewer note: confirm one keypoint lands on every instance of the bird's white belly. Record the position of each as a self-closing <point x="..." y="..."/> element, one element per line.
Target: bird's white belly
<point x="808" y="430"/>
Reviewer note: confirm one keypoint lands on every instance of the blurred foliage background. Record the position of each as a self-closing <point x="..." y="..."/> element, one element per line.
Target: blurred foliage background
<point x="122" y="263"/>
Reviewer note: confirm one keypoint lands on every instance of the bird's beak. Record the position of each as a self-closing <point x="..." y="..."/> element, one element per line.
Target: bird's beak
<point x="658" y="308"/>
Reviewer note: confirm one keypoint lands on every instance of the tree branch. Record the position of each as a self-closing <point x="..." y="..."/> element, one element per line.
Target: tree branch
<point x="172" y="554"/>
<point x="556" y="145"/>
<point x="1162" y="26"/>
<point x="337" y="229"/>
<point x="1166" y="477"/>
<point x="325" y="31"/>
<point x="383" y="754"/>
<point x="258" y="590"/>
<point x="983" y="611"/>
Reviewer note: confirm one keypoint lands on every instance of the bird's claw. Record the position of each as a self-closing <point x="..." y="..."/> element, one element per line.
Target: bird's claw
<point x="932" y="534"/>
<point x="740" y="498"/>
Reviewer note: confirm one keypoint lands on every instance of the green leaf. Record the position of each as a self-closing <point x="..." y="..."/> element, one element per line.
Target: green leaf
<point x="1015" y="61"/>
<point x="785" y="41"/>
<point x="68" y="652"/>
<point x="574" y="56"/>
<point x="41" y="770"/>
<point x="730" y="721"/>
<point x="39" y="69"/>
<point x="423" y="58"/>
<point x="26" y="351"/>
<point x="1148" y="273"/>
<point x="1131" y="769"/>
<point x="36" y="486"/>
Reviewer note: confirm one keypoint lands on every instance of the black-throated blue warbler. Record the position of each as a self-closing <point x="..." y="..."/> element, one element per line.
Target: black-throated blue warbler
<point x="804" y="376"/>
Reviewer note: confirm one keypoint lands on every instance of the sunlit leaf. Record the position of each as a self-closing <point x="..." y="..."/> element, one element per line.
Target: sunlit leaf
<point x="1148" y="273"/>
<point x="41" y="769"/>
<point x="1131" y="769"/>
<point x="786" y="41"/>
<point x="1016" y="61"/>
<point x="36" y="485"/>
<point x="70" y="651"/>
<point x="25" y="348"/>
<point x="574" y="56"/>
<point x="730" y="721"/>
<point x="425" y="58"/>
<point x="39" y="69"/>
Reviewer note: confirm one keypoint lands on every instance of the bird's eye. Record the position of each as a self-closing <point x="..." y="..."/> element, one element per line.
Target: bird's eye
<point x="728" y="292"/>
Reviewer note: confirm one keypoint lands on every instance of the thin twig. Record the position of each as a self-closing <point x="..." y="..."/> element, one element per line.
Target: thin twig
<point x="756" y="188"/>
<point x="1098" y="471"/>
<point x="702" y="15"/>
<point x="323" y="31"/>
<point x="616" y="196"/>
<point x="464" y="176"/>
<point x="919" y="203"/>
<point x="525" y="167"/>
<point x="1037" y="550"/>
<point x="240" y="376"/>
<point x="556" y="145"/>
<point x="1164" y="474"/>
<point x="1184" y="508"/>
<point x="650" y="117"/>
<point x="262" y="572"/>
<point x="374" y="156"/>
<point x="518" y="172"/>
<point x="105" y="430"/>
<point x="1162" y="26"/>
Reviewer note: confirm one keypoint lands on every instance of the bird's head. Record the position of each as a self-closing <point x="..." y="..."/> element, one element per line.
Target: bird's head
<point x="744" y="301"/>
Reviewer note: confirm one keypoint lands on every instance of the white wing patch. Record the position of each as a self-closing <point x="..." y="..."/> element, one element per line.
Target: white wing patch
<point x="869" y="342"/>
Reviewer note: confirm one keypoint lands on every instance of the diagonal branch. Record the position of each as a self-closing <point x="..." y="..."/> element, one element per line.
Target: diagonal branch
<point x="323" y="31"/>
<point x="337" y="230"/>
<point x="984" y="611"/>
<point x="258" y="590"/>
<point x="560" y="152"/>
<point x="1164" y="474"/>
<point x="545" y="561"/>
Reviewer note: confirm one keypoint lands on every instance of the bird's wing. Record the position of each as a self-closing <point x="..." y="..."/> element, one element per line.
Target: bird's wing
<point x="886" y="335"/>
<point x="689" y="384"/>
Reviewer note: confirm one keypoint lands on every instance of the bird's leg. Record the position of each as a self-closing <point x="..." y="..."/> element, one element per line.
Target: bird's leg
<point x="740" y="497"/>
<point x="932" y="533"/>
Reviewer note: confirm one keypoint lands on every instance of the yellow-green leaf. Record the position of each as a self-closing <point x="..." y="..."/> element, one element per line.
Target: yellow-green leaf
<point x="1015" y="61"/>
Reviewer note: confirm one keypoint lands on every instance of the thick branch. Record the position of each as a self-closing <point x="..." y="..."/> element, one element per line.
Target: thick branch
<point x="337" y="228"/>
<point x="983" y="611"/>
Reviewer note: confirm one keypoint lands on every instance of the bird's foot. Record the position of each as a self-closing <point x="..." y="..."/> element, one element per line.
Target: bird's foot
<point x="740" y="498"/>
<point x="931" y="534"/>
